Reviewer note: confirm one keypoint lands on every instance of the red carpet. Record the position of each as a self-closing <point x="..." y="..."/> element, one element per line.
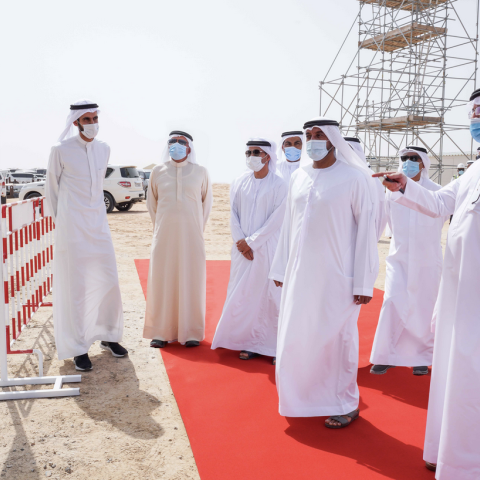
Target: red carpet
<point x="230" y="410"/>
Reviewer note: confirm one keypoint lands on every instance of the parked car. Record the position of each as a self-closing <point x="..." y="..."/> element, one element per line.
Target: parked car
<point x="3" y="190"/>
<point x="122" y="188"/>
<point x="145" y="176"/>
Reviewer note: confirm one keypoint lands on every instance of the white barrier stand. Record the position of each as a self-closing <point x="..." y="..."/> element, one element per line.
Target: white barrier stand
<point x="26" y="254"/>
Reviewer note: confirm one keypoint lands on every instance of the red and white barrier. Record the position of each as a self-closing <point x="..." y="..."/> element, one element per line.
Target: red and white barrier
<point x="26" y="274"/>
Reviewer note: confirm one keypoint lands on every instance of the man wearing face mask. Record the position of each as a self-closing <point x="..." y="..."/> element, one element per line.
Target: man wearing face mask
<point x="404" y="336"/>
<point x="381" y="218"/>
<point x="257" y="198"/>
<point x="460" y="171"/>
<point x="453" y="419"/>
<point x="87" y="305"/>
<point x="326" y="262"/>
<point x="289" y="154"/>
<point x="179" y="201"/>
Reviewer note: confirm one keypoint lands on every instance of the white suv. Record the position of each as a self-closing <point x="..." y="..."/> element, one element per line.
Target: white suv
<point x="122" y="187"/>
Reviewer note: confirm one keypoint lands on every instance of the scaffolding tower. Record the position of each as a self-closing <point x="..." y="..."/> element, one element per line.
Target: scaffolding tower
<point x="416" y="63"/>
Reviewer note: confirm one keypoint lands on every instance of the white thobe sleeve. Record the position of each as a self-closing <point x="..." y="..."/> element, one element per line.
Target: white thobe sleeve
<point x="235" y="227"/>
<point x="280" y="260"/>
<point x="52" y="184"/>
<point x="382" y="213"/>
<point x="388" y="219"/>
<point x="152" y="197"/>
<point x="273" y="222"/>
<point x="364" y="275"/>
<point x="440" y="203"/>
<point x="207" y="197"/>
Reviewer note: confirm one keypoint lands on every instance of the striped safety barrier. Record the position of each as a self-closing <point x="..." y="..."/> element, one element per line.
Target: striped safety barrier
<point x="27" y="237"/>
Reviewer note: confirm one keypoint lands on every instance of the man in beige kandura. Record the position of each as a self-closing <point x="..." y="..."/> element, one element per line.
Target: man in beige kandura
<point x="179" y="201"/>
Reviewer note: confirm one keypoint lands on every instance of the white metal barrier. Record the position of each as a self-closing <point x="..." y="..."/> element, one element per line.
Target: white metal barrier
<point x="26" y="251"/>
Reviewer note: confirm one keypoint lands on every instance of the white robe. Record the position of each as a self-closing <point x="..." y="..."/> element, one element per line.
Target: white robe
<point x="453" y="421"/>
<point x="285" y="169"/>
<point x="250" y="314"/>
<point x="414" y="266"/>
<point x="381" y="218"/>
<point x="87" y="305"/>
<point x="179" y="201"/>
<point x="326" y="254"/>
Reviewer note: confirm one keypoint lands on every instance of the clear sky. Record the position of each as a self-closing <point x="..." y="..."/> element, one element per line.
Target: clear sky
<point x="223" y="70"/>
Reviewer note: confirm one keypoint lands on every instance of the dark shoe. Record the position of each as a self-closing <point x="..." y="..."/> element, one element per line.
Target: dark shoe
<point x="420" y="370"/>
<point x="158" y="343"/>
<point x="342" y="420"/>
<point x="248" y="355"/>
<point x="380" y="369"/>
<point x="82" y="363"/>
<point x="431" y="466"/>
<point x="115" y="348"/>
<point x="274" y="360"/>
<point x="192" y="343"/>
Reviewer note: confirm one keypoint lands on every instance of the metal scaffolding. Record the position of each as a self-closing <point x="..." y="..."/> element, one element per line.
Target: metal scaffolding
<point x="416" y="63"/>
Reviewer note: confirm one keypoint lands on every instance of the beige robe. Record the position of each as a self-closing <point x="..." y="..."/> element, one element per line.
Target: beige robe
<point x="179" y="201"/>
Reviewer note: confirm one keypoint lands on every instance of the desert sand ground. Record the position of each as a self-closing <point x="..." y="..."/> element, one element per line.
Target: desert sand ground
<point x="126" y="423"/>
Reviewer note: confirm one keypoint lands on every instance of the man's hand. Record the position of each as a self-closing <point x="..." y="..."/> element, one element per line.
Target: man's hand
<point x="278" y="284"/>
<point x="242" y="246"/>
<point x="399" y="181"/>
<point x="248" y="255"/>
<point x="361" y="299"/>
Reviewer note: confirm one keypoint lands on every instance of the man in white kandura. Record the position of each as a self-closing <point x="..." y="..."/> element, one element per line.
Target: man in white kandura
<point x="327" y="262"/>
<point x="289" y="154"/>
<point x="381" y="218"/>
<point x="179" y="201"/>
<point x="87" y="305"/>
<point x="404" y="336"/>
<point x="453" y="420"/>
<point x="250" y="314"/>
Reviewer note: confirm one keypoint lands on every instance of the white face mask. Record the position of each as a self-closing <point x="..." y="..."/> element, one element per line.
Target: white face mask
<point x="90" y="130"/>
<point x="317" y="149"/>
<point x="255" y="163"/>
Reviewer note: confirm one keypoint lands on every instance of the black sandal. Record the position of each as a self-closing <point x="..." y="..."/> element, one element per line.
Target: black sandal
<point x="250" y="355"/>
<point x="431" y="466"/>
<point x="343" y="421"/>
<point x="158" y="343"/>
<point x="192" y="343"/>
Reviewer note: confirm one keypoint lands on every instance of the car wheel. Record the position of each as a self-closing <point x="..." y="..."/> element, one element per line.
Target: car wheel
<point x="109" y="203"/>
<point x="124" y="207"/>
<point x="32" y="195"/>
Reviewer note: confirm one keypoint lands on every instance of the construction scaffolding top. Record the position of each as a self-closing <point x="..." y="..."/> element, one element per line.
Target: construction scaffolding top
<point x="406" y="4"/>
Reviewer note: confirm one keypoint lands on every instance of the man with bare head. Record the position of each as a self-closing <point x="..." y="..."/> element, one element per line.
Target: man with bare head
<point x="87" y="305"/>
<point x="179" y="201"/>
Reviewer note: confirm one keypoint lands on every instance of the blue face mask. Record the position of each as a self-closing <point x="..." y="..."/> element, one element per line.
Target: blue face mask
<point x="411" y="169"/>
<point x="461" y="172"/>
<point x="293" y="154"/>
<point x="177" y="151"/>
<point x="475" y="129"/>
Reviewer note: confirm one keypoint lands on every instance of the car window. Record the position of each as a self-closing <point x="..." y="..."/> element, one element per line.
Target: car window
<point x="147" y="175"/>
<point x="108" y="172"/>
<point x="129" y="172"/>
<point x="141" y="174"/>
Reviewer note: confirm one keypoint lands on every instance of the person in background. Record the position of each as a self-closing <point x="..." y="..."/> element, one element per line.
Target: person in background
<point x="404" y="335"/>
<point x="460" y="171"/>
<point x="453" y="419"/>
<point x="250" y="314"/>
<point x="470" y="163"/>
<point x="289" y="154"/>
<point x="179" y="201"/>
<point x="87" y="305"/>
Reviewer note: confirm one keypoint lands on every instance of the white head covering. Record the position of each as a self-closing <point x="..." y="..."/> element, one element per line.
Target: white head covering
<point x="421" y="152"/>
<point x="75" y="114"/>
<point x="192" y="157"/>
<point x="354" y="143"/>
<point x="474" y="100"/>
<point x="343" y="152"/>
<point x="269" y="148"/>
<point x="286" y="135"/>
